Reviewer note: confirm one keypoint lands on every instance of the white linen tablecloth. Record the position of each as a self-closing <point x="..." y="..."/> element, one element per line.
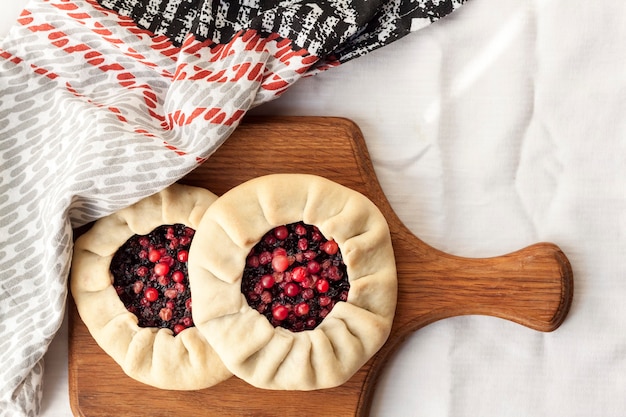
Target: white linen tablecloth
<point x="500" y="126"/>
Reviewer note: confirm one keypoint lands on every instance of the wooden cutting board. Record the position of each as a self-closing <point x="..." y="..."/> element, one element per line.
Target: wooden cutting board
<point x="532" y="287"/>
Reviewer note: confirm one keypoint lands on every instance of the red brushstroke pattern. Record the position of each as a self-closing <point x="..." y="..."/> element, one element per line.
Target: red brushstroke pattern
<point x="207" y="56"/>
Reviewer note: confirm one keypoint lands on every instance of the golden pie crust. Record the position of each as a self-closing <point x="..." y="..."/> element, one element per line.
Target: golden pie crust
<point x="153" y="356"/>
<point x="248" y="344"/>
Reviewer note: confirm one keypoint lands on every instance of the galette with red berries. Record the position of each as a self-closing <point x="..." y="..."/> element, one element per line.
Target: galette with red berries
<point x="294" y="281"/>
<point x="130" y="284"/>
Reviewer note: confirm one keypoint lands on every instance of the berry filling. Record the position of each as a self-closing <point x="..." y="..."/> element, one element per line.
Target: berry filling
<point x="150" y="277"/>
<point x="294" y="276"/>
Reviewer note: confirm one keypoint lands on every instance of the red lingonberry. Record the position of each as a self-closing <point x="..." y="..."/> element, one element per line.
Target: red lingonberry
<point x="298" y="274"/>
<point x="280" y="263"/>
<point x="280" y="312"/>
<point x="301" y="309"/>
<point x="178" y="276"/>
<point x="151" y="294"/>
<point x="154" y="255"/>
<point x="322" y="285"/>
<point x="330" y="247"/>
<point x="291" y="289"/>
<point x="161" y="268"/>
<point x="281" y="232"/>
<point x="267" y="281"/>
<point x="313" y="267"/>
<point x="182" y="255"/>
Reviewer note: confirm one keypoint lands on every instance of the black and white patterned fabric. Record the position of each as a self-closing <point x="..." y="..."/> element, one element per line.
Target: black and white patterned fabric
<point x="337" y="30"/>
<point x="106" y="102"/>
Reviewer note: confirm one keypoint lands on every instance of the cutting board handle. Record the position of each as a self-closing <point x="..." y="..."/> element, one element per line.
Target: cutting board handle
<point x="532" y="286"/>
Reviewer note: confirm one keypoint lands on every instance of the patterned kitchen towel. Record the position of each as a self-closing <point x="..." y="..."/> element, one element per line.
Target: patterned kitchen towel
<point x="105" y="102"/>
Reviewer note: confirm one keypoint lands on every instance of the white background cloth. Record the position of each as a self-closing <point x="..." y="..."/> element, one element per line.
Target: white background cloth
<point x="500" y="126"/>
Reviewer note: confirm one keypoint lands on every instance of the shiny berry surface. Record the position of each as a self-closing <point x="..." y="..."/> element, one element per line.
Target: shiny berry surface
<point x="150" y="277"/>
<point x="294" y="276"/>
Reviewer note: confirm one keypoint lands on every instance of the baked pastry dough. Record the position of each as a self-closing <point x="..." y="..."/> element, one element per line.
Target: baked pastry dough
<point x="150" y="355"/>
<point x="248" y="344"/>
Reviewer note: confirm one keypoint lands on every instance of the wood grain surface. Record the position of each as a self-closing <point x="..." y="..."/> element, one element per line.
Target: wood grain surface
<point x="532" y="287"/>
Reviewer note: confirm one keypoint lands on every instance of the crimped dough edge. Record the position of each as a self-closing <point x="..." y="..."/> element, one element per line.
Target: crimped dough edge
<point x="149" y="355"/>
<point x="276" y="358"/>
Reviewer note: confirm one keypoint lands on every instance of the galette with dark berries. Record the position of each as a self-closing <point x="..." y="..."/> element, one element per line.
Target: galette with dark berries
<point x="294" y="281"/>
<point x="130" y="284"/>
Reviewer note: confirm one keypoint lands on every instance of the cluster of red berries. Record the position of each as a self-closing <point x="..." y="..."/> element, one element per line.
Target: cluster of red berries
<point x="294" y="276"/>
<point x="150" y="277"/>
